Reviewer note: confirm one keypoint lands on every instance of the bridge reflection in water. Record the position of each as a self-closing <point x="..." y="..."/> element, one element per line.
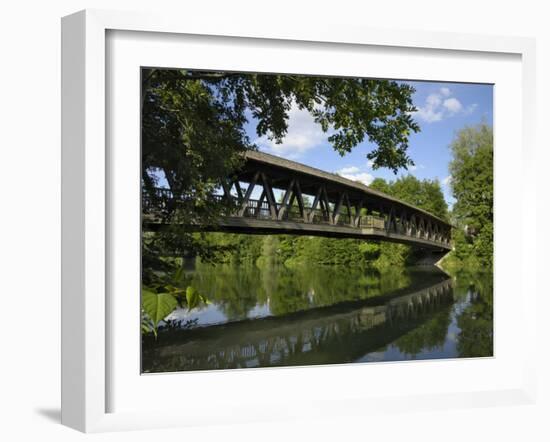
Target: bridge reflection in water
<point x="341" y="333"/>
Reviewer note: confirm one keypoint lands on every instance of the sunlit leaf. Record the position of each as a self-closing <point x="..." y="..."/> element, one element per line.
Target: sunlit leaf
<point x="173" y="290"/>
<point x="192" y="296"/>
<point x="157" y="305"/>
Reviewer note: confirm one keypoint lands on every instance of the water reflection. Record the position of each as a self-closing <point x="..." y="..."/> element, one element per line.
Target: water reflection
<point x="307" y="316"/>
<point x="248" y="292"/>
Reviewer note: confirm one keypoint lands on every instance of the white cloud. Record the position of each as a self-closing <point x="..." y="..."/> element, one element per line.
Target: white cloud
<point x="470" y="109"/>
<point x="439" y="105"/>
<point x="355" y="174"/>
<point x="431" y="111"/>
<point x="433" y="100"/>
<point x="303" y="135"/>
<point x="452" y="105"/>
<point x="447" y="180"/>
<point x="348" y="170"/>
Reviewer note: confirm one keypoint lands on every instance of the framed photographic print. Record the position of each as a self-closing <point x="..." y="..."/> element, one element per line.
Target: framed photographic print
<point x="293" y="223"/>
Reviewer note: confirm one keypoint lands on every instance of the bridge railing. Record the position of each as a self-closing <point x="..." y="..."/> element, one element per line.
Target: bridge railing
<point x="261" y="210"/>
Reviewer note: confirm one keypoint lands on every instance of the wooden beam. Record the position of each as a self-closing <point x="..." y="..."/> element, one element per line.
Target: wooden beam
<point x="226" y="190"/>
<point x="358" y="209"/>
<point x="286" y="197"/>
<point x="390" y="217"/>
<point x="348" y="206"/>
<point x="412" y="224"/>
<point x="292" y="198"/>
<point x="324" y="210"/>
<point x="336" y="212"/>
<point x="314" y="205"/>
<point x="403" y="221"/>
<point x="300" y="198"/>
<point x="270" y="196"/>
<point x="260" y="202"/>
<point x="249" y="190"/>
<point x="239" y="190"/>
<point x="327" y="204"/>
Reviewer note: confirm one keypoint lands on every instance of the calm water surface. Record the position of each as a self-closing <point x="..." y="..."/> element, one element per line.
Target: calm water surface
<point x="276" y="316"/>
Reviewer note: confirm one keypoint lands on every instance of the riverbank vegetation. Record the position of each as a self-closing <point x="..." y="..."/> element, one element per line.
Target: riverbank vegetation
<point x="471" y="182"/>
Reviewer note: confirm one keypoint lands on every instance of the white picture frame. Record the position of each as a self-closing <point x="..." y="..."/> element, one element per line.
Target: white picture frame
<point x="87" y="234"/>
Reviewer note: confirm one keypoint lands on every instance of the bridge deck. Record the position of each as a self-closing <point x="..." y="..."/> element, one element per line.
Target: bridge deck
<point x="266" y="226"/>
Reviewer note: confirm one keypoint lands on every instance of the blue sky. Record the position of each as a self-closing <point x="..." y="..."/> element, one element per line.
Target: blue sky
<point x="443" y="109"/>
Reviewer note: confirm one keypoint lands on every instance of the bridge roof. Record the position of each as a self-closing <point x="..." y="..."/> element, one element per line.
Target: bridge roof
<point x="302" y="169"/>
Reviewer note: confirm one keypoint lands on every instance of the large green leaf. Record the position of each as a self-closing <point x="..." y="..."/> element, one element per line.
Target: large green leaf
<point x="158" y="305"/>
<point x="192" y="296"/>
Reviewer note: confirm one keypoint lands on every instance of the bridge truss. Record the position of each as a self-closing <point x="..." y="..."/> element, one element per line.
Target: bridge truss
<point x="315" y="202"/>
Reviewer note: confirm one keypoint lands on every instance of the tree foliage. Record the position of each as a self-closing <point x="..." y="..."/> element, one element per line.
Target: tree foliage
<point x="198" y="116"/>
<point x="193" y="134"/>
<point x="472" y="185"/>
<point x="424" y="194"/>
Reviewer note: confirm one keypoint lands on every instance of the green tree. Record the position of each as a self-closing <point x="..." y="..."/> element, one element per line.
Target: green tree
<point x="425" y="194"/>
<point x="472" y="185"/>
<point x="381" y="185"/>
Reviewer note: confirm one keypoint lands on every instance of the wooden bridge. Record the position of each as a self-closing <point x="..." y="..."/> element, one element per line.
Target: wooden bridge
<point x="339" y="207"/>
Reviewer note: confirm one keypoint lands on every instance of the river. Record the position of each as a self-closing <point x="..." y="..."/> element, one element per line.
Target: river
<point x="309" y="315"/>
